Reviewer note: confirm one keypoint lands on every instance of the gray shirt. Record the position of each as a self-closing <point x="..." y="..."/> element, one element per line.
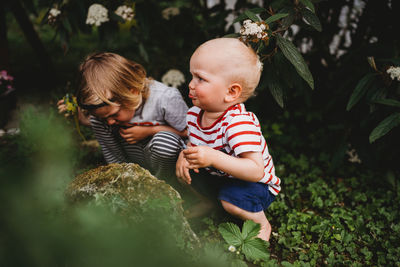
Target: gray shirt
<point x="164" y="106"/>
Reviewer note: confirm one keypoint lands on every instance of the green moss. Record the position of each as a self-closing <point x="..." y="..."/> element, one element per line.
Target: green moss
<point x="133" y="192"/>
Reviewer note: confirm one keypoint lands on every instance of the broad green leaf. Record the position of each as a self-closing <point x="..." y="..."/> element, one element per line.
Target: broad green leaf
<point x="288" y="21"/>
<point x="360" y="90"/>
<point x="308" y="4"/>
<point x="276" y="17"/>
<point x="239" y="18"/>
<point x="243" y="16"/>
<point x="276" y="92"/>
<point x="231" y="233"/>
<point x="388" y="102"/>
<point x="250" y="229"/>
<point x="311" y="19"/>
<point x="251" y="15"/>
<point x="294" y="56"/>
<point x="255" y="249"/>
<point x="384" y="127"/>
<point x="238" y="263"/>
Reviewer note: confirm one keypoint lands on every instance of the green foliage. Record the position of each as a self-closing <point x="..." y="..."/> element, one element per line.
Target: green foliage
<point x="245" y="242"/>
<point x="291" y="53"/>
<point x="377" y="88"/>
<point x="385" y="126"/>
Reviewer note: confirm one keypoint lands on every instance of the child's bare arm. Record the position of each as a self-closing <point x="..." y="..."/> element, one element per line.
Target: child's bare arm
<point x="249" y="166"/>
<point x="136" y="133"/>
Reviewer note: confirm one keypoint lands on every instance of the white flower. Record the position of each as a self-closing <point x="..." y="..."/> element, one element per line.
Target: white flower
<point x="353" y="156"/>
<point x="170" y="12"/>
<point x="97" y="14"/>
<point x="125" y="12"/>
<point x="394" y="72"/>
<point x="232" y="248"/>
<point x="53" y="14"/>
<point x="173" y="78"/>
<point x="252" y="30"/>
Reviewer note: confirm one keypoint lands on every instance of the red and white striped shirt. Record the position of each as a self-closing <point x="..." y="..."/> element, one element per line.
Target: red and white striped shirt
<point x="234" y="132"/>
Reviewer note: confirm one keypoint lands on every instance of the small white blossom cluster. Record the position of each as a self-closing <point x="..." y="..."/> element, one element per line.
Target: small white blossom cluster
<point x="173" y="78"/>
<point x="394" y="72"/>
<point x="170" y="12"/>
<point x="97" y="14"/>
<point x="125" y="12"/>
<point x="254" y="31"/>
<point x="353" y="156"/>
<point x="53" y="14"/>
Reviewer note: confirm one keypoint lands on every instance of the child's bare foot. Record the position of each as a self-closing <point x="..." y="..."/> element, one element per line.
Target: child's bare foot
<point x="265" y="232"/>
<point x="199" y="210"/>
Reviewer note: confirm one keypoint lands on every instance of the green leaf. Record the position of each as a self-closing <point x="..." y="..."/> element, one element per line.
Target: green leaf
<point x="360" y="90"/>
<point x="238" y="263"/>
<point x="231" y="233"/>
<point x="143" y="52"/>
<point x="67" y="25"/>
<point x="384" y="127"/>
<point x="250" y="230"/>
<point x="311" y="19"/>
<point x="388" y="102"/>
<point x="251" y="15"/>
<point x="255" y="249"/>
<point x="276" y="17"/>
<point x="276" y="92"/>
<point x="308" y="4"/>
<point x="294" y="56"/>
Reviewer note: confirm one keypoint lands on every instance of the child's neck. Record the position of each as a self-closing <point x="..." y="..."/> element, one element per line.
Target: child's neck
<point x="209" y="117"/>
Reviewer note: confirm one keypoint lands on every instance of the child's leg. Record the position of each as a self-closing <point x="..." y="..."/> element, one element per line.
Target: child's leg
<point x="202" y="208"/>
<point x="257" y="217"/>
<point x="109" y="141"/>
<point x="162" y="151"/>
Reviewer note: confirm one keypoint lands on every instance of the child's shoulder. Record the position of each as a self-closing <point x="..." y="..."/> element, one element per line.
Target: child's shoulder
<point x="239" y="113"/>
<point x="162" y="90"/>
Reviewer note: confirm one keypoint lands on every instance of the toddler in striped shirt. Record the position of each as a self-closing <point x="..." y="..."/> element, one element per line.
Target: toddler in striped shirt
<point x="227" y="156"/>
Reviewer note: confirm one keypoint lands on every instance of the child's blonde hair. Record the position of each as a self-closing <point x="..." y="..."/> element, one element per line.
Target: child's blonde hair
<point x="241" y="63"/>
<point x="108" y="78"/>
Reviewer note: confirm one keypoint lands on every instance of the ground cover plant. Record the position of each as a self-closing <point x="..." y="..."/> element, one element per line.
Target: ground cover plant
<point x="335" y="146"/>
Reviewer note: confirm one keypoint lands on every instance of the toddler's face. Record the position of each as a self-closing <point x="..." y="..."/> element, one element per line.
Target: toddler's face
<point x="117" y="115"/>
<point x="209" y="86"/>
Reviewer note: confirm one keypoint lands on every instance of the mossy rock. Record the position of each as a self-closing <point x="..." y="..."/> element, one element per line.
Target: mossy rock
<point x="135" y="193"/>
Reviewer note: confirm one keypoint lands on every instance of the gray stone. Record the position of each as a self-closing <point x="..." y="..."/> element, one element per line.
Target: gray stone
<point x="132" y="191"/>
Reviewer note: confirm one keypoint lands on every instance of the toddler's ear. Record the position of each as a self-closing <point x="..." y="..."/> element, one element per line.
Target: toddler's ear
<point x="233" y="93"/>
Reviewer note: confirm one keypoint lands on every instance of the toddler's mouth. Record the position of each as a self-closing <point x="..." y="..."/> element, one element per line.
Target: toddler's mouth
<point x="192" y="96"/>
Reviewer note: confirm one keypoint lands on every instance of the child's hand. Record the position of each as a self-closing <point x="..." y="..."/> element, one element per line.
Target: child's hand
<point x="199" y="156"/>
<point x="134" y="134"/>
<point x="182" y="169"/>
<point x="62" y="107"/>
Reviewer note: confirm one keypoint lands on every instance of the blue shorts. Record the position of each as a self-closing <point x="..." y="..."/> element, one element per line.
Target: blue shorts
<point x="250" y="196"/>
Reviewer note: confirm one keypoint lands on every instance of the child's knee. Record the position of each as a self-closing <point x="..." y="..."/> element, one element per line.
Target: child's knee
<point x="231" y="209"/>
<point x="165" y="145"/>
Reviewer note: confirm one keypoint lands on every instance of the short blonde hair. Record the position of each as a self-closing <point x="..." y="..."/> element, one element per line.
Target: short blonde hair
<point x="240" y="62"/>
<point x="112" y="79"/>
